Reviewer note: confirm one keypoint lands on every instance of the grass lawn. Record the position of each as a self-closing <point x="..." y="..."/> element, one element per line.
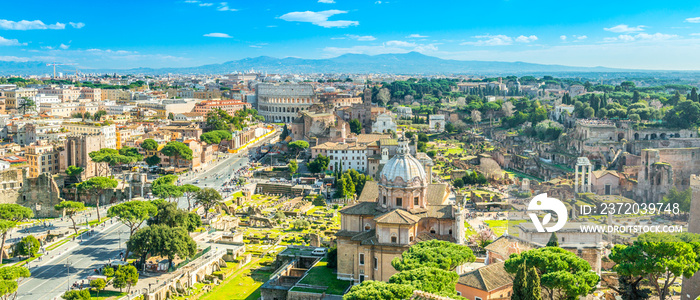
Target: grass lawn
<point x="499" y="226"/>
<point x="468" y="229"/>
<point x="322" y="276"/>
<point x="454" y="151"/>
<point x="56" y="244"/>
<point x="95" y="222"/>
<point x="246" y="285"/>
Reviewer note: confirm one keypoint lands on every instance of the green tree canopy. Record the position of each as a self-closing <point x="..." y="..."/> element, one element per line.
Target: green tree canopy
<point x="207" y="198"/>
<point x="428" y="279"/>
<point x="215" y="137"/>
<point x="149" y="144"/>
<point x="378" y="290"/>
<point x="434" y="253"/>
<point x="319" y="164"/>
<point x="293" y="166"/>
<point x="177" y="150"/>
<point x="97" y="185"/>
<point x="170" y="215"/>
<point x="563" y="275"/>
<point x="164" y="241"/>
<point x="28" y="246"/>
<point x="125" y="276"/>
<point x="661" y="258"/>
<point x="98" y="285"/>
<point x="682" y="198"/>
<point x="10" y="277"/>
<point x="77" y="295"/>
<point x="298" y="146"/>
<point x="190" y="191"/>
<point x="70" y="208"/>
<point x="355" y="126"/>
<point x="10" y="214"/>
<point x="152" y="160"/>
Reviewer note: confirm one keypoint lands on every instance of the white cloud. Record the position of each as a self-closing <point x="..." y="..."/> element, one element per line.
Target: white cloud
<point x="14" y="58"/>
<point x="490" y="40"/>
<point x="563" y="38"/>
<point x="693" y="20"/>
<point x="77" y="25"/>
<point x="29" y="25"/>
<point x="416" y="36"/>
<point x="377" y="2"/>
<point x="191" y="1"/>
<point x="217" y="35"/>
<point x="10" y="42"/>
<point x="625" y="28"/>
<point x="695" y="34"/>
<point x="223" y="6"/>
<point x="326" y="1"/>
<point x="526" y="39"/>
<point x="400" y="44"/>
<point x="64" y="46"/>
<point x="319" y="18"/>
<point x="643" y="36"/>
<point x="206" y="4"/>
<point x="47" y="47"/>
<point x="580" y="37"/>
<point x="362" y="38"/>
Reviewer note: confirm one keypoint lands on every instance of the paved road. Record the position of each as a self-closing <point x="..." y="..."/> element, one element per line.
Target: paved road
<point x="76" y="260"/>
<point x="50" y="277"/>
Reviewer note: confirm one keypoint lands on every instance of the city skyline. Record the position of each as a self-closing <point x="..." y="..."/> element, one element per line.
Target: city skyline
<point x="185" y="33"/>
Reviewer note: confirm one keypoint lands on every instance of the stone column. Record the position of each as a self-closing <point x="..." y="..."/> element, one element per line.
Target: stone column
<point x="589" y="184"/>
<point x="576" y="179"/>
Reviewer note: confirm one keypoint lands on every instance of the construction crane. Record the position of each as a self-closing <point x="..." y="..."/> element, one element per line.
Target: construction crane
<point x="54" y="67"/>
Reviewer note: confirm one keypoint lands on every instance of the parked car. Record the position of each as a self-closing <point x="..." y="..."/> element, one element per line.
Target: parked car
<point x="319" y="251"/>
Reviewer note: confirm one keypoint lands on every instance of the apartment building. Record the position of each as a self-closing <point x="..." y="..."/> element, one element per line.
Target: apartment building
<point x="229" y="106"/>
<point x="207" y="94"/>
<point x="109" y="132"/>
<point x="42" y="158"/>
<point x="65" y="93"/>
<point x="13" y="96"/>
<point x="343" y="156"/>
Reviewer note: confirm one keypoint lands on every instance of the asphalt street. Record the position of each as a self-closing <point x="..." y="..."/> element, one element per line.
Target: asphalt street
<point x="73" y="261"/>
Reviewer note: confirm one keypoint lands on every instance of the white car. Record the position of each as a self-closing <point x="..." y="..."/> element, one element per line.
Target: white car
<point x="319" y="251"/>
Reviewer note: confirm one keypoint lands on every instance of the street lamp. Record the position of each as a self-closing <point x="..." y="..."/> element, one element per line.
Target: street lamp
<point x="68" y="271"/>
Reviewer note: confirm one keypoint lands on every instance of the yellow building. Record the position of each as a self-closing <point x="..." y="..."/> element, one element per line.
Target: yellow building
<point x="13" y="95"/>
<point x="42" y="158"/>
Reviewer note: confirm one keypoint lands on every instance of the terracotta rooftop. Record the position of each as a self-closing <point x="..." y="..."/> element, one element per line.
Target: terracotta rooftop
<point x="487" y="278"/>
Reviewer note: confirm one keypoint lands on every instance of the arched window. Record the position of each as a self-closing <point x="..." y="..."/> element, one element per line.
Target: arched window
<point x="394" y="239"/>
<point x="432" y="230"/>
<point x="367" y="227"/>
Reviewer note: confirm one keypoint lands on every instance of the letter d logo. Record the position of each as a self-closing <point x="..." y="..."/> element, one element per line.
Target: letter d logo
<point x="542" y="202"/>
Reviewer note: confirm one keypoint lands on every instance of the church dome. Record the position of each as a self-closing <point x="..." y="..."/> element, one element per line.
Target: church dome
<point x="404" y="166"/>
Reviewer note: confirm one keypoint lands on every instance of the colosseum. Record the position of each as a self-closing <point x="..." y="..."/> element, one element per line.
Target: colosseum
<point x="280" y="103"/>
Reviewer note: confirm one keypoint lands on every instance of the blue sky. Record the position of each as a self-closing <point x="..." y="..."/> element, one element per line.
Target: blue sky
<point x="125" y="34"/>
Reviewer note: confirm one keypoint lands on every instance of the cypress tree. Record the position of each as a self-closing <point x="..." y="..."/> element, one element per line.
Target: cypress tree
<point x="553" y="240"/>
<point x="520" y="288"/>
<point x="533" y="283"/>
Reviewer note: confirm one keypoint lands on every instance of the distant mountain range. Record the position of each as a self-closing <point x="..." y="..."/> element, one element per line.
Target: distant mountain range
<point x="408" y="63"/>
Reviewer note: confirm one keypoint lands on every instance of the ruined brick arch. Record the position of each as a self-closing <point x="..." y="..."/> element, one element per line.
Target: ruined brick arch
<point x="662" y="136"/>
